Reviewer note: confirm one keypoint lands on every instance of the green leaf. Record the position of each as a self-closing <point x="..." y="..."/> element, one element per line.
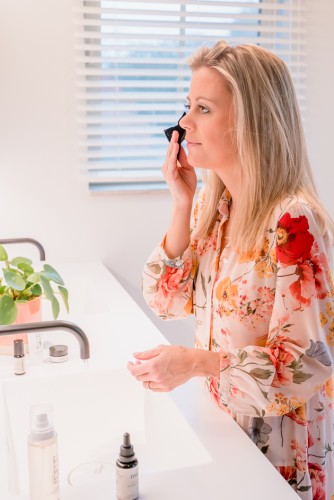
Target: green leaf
<point x="8" y="311"/>
<point x="36" y="290"/>
<point x="242" y="355"/>
<point x="265" y="356"/>
<point x="256" y="410"/>
<point x="34" y="278"/>
<point x="296" y="364"/>
<point x="24" y="296"/>
<point x="2" y="289"/>
<point x="300" y="377"/>
<point x="25" y="268"/>
<point x="304" y="488"/>
<point x="261" y="373"/>
<point x="265" y="395"/>
<point x="14" y="280"/>
<point x="47" y="288"/>
<point x="55" y="307"/>
<point x="3" y="253"/>
<point x="20" y="260"/>
<point x="262" y="355"/>
<point x="53" y="275"/>
<point x="64" y="295"/>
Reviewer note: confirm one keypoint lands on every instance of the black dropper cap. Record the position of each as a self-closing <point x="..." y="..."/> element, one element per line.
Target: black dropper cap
<point x="126" y="453"/>
<point x="18" y="348"/>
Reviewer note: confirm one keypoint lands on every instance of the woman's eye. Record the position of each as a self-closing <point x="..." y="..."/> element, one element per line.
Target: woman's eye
<point x="203" y="109"/>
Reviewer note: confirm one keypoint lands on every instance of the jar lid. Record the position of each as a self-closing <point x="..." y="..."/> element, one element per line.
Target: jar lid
<point x="58" y="351"/>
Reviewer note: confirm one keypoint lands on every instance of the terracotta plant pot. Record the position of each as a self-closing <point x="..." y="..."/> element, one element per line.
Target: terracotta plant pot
<point x="27" y="312"/>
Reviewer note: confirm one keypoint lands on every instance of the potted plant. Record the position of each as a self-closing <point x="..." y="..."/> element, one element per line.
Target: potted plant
<point x="21" y="283"/>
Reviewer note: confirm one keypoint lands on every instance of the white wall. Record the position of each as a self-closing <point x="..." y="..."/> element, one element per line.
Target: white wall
<point x="40" y="193"/>
<point x="320" y="96"/>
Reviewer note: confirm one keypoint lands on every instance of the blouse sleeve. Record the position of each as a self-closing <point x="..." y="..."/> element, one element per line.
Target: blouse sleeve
<point x="167" y="284"/>
<point x="297" y="355"/>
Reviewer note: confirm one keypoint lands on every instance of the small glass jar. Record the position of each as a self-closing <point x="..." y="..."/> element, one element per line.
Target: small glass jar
<point x="58" y="353"/>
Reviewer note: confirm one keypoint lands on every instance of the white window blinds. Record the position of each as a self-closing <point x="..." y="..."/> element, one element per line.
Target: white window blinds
<point x="133" y="75"/>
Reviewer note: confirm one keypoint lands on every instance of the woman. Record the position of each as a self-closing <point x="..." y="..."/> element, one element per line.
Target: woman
<point x="252" y="261"/>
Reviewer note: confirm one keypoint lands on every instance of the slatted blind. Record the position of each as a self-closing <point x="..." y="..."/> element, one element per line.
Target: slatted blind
<point x="133" y="77"/>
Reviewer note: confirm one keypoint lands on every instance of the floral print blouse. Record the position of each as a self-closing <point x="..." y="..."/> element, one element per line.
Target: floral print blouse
<point x="270" y="315"/>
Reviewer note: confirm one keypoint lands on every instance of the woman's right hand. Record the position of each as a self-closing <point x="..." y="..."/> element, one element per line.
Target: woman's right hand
<point x="179" y="175"/>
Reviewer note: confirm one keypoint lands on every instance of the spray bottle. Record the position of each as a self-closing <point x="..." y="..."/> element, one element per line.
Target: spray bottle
<point x="43" y="455"/>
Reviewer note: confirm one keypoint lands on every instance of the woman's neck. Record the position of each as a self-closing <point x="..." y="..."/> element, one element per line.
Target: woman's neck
<point x="232" y="182"/>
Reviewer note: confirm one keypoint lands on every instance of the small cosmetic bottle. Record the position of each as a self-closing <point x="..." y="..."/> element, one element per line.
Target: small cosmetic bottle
<point x="127" y="471"/>
<point x="43" y="455"/>
<point x="19" y="368"/>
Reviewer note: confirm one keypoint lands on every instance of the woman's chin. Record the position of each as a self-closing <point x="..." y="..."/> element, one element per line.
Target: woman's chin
<point x="198" y="161"/>
<point x="195" y="159"/>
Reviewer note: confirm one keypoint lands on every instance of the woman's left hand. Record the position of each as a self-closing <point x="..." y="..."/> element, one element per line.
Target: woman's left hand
<point x="165" y="367"/>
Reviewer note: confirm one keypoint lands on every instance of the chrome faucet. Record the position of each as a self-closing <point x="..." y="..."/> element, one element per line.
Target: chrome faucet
<point x="25" y="240"/>
<point x="51" y="325"/>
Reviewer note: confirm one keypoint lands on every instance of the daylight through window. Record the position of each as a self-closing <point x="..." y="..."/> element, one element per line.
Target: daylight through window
<point x="133" y="75"/>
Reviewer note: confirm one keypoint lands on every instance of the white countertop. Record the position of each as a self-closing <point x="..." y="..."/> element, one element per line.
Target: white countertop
<point x="116" y="328"/>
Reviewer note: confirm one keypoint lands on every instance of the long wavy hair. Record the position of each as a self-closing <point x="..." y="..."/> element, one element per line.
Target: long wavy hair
<point x="270" y="142"/>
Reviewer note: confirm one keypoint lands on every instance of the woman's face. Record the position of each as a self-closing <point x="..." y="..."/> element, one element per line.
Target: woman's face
<point x="209" y="123"/>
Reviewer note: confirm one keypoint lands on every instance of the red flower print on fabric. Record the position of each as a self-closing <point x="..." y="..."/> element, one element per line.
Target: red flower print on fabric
<point x="288" y="472"/>
<point x="168" y="283"/>
<point x="311" y="278"/>
<point x="281" y="359"/>
<point x="299" y="416"/>
<point x="171" y="279"/>
<point x="318" y="479"/>
<point x="294" y="241"/>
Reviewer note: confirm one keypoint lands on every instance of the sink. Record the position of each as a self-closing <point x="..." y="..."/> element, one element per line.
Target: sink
<point x="92" y="409"/>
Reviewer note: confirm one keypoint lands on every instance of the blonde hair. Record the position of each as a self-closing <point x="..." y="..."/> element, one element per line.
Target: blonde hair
<point x="270" y="142"/>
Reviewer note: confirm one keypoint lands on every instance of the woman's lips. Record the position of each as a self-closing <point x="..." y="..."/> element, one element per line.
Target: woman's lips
<point x="191" y="144"/>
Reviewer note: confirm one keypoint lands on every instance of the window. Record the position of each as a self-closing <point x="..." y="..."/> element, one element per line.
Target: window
<point x="133" y="75"/>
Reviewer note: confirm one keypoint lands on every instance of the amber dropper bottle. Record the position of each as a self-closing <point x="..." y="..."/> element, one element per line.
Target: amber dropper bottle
<point x="19" y="368"/>
<point x="127" y="471"/>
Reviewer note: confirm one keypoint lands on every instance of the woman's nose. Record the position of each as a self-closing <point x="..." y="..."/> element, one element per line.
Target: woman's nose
<point x="185" y="122"/>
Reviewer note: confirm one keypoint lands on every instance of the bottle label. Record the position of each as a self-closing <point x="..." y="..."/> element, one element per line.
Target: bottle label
<point x="19" y="366"/>
<point x="127" y="483"/>
<point x="44" y="470"/>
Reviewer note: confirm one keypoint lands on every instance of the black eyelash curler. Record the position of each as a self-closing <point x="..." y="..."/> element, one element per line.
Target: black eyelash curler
<point x="181" y="131"/>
